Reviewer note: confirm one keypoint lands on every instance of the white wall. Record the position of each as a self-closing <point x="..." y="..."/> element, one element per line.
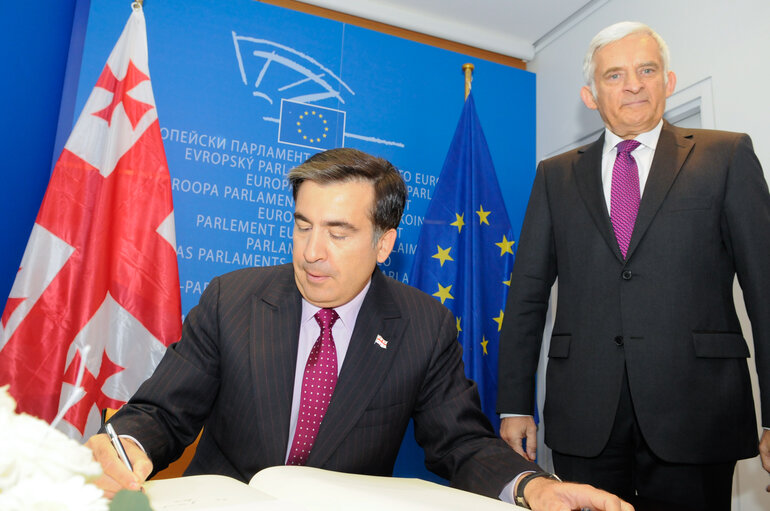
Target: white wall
<point x="726" y="41"/>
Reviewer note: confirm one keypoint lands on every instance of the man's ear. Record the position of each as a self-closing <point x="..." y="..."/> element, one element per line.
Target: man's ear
<point x="385" y="245"/>
<point x="588" y="97"/>
<point x="670" y="84"/>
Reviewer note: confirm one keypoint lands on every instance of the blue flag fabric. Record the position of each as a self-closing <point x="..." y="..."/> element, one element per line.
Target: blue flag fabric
<point x="465" y="253"/>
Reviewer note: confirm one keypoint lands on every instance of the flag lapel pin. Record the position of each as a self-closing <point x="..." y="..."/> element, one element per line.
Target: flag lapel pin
<point x="382" y="343"/>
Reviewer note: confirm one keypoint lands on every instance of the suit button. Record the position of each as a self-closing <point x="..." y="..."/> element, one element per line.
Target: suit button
<point x="619" y="340"/>
<point x="627" y="274"/>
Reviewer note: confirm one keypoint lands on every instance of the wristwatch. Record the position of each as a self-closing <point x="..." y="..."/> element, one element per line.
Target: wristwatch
<point x="519" y="499"/>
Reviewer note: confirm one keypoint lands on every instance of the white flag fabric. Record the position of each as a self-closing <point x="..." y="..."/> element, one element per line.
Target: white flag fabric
<point x="98" y="285"/>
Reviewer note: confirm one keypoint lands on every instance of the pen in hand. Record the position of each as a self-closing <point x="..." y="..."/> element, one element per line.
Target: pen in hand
<point x="118" y="446"/>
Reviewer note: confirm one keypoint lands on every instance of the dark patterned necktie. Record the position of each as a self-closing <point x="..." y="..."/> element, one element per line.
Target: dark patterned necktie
<point x="624" y="194"/>
<point x="318" y="383"/>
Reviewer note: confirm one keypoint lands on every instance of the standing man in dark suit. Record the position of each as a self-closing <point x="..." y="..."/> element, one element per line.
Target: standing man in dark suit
<point x="261" y="337"/>
<point x="647" y="387"/>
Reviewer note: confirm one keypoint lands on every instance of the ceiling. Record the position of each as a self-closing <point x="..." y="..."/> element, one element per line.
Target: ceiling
<point x="517" y="28"/>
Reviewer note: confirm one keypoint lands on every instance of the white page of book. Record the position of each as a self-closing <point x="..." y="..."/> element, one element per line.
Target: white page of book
<point x="211" y="493"/>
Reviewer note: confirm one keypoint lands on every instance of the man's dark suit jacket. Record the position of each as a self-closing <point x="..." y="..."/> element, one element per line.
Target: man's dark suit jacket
<point x="666" y="313"/>
<point x="233" y="372"/>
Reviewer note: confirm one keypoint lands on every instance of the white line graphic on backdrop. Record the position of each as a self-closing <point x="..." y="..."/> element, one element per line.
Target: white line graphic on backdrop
<point x="317" y="82"/>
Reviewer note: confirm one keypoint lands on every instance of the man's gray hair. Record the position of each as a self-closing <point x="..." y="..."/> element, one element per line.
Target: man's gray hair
<point x="615" y="33"/>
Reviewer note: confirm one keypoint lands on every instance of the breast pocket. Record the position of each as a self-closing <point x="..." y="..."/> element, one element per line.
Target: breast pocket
<point x="382" y="416"/>
<point x="688" y="204"/>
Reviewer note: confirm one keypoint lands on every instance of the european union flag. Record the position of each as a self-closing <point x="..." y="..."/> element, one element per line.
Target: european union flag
<point x="311" y="126"/>
<point x="465" y="253"/>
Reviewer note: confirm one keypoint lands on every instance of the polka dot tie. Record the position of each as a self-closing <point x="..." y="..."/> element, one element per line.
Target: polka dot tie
<point x="624" y="194"/>
<point x="318" y="383"/>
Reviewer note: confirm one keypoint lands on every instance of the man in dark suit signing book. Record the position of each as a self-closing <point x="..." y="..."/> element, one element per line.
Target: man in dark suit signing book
<point x="647" y="389"/>
<point x="268" y="352"/>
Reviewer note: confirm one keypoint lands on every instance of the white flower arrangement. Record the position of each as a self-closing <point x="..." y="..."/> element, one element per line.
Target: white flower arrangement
<point x="41" y="469"/>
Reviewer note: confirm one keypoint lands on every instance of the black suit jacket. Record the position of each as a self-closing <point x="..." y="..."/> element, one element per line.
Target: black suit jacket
<point x="665" y="313"/>
<point x="233" y="372"/>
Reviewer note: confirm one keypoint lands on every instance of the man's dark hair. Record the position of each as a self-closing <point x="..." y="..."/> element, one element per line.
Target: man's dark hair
<point x="346" y="164"/>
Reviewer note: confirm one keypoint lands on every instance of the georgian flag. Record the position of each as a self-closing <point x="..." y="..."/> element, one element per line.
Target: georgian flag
<point x="98" y="283"/>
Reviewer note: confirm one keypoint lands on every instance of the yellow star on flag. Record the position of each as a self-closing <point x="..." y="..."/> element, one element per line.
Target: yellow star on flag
<point x="484" y="343"/>
<point x="443" y="255"/>
<point x="443" y="293"/>
<point x="499" y="320"/>
<point x="508" y="282"/>
<point x="505" y="246"/>
<point x="483" y="215"/>
<point x="459" y="222"/>
<point x="459" y="329"/>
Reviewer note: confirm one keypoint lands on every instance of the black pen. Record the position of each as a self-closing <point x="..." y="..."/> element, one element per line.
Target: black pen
<point x="118" y="446"/>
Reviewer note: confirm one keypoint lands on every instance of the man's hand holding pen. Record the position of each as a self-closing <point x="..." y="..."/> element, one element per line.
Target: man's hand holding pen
<point x="117" y="475"/>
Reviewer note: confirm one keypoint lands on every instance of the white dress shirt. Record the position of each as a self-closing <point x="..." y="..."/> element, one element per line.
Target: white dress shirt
<point x="643" y="155"/>
<point x="308" y="335"/>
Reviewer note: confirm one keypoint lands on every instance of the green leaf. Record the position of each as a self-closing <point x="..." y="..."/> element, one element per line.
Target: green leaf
<point x="126" y="500"/>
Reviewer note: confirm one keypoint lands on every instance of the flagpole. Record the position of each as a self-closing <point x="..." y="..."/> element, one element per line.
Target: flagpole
<point x="468" y="69"/>
<point x="136" y="4"/>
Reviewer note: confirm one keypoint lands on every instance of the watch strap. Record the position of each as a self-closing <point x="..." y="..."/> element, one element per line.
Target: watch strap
<point x="518" y="498"/>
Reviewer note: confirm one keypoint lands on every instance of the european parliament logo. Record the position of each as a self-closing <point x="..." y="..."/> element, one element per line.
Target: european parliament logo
<point x="311" y="126"/>
<point x="273" y="70"/>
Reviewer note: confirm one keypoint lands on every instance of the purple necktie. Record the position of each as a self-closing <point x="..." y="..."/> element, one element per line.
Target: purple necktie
<point x="318" y="383"/>
<point x="624" y="195"/>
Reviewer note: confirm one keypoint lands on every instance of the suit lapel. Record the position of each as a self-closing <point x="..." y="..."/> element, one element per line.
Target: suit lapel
<point x="366" y="365"/>
<point x="670" y="154"/>
<point x="588" y="176"/>
<point x="274" y="335"/>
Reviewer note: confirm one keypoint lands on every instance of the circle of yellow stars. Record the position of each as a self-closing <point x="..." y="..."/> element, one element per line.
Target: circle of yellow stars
<point x="443" y="255"/>
<point x="317" y="115"/>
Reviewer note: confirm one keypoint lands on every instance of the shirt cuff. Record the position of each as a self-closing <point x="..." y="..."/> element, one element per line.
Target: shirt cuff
<point x="135" y="441"/>
<point x="507" y="494"/>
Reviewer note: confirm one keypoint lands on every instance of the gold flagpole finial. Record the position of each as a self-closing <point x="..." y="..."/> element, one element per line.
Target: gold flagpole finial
<point x="137" y="4"/>
<point x="468" y="69"/>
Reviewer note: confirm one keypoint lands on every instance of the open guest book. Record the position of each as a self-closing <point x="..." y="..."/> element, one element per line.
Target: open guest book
<point x="292" y="488"/>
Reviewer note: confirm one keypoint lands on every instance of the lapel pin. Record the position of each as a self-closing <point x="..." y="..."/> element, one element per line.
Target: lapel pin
<point x="382" y="343"/>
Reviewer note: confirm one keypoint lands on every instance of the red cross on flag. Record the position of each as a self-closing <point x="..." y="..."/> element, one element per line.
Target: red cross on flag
<point x="98" y="283"/>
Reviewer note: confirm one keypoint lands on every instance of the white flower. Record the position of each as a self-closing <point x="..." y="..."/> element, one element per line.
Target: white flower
<point x="42" y="494"/>
<point x="7" y="404"/>
<point x="41" y="468"/>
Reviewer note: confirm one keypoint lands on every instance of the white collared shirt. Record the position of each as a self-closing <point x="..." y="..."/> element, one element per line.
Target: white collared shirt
<point x="309" y="331"/>
<point x="643" y="155"/>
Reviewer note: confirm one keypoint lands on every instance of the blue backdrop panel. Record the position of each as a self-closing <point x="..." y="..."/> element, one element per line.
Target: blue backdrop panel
<point x="245" y="91"/>
<point x="30" y="92"/>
